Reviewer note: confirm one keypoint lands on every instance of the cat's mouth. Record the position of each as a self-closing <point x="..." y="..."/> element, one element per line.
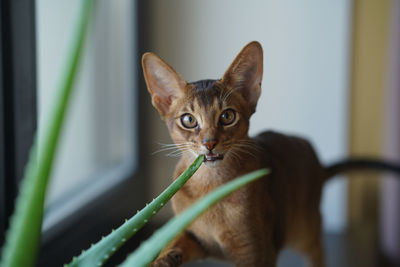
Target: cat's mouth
<point x="211" y="157"/>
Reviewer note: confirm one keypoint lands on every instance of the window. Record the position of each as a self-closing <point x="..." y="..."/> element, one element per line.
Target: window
<point x="96" y="180"/>
<point x="97" y="148"/>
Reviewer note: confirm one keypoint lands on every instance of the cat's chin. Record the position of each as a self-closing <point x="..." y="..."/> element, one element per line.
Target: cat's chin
<point x="212" y="164"/>
<point x="213" y="160"/>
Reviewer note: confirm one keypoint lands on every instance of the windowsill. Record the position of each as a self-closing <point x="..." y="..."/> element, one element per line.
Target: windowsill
<point x="101" y="182"/>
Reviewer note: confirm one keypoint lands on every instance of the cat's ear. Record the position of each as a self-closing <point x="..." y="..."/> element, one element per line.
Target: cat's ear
<point x="163" y="82"/>
<point x="245" y="73"/>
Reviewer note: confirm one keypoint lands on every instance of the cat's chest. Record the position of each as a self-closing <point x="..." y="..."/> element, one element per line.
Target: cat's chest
<point x="223" y="219"/>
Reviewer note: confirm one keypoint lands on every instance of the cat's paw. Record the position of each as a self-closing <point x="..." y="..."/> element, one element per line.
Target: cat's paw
<point x="170" y="259"/>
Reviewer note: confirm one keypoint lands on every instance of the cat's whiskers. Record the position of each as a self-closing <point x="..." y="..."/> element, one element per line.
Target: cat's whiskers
<point x="249" y="144"/>
<point x="167" y="149"/>
<point x="233" y="155"/>
<point x="175" y="154"/>
<point x="175" y="147"/>
<point x="231" y="152"/>
<point x="249" y="147"/>
<point x="178" y="152"/>
<point x="240" y="147"/>
<point x="243" y="150"/>
<point x="181" y="149"/>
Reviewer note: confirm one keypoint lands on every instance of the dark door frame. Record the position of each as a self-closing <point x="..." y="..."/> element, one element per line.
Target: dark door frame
<point x="17" y="98"/>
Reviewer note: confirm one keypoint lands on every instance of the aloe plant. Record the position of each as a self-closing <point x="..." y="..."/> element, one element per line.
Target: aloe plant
<point x="22" y="239"/>
<point x="146" y="253"/>
<point x="101" y="251"/>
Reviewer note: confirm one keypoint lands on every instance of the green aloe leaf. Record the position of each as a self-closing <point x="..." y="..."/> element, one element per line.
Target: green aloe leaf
<point x="102" y="250"/>
<point x="23" y="237"/>
<point x="147" y="252"/>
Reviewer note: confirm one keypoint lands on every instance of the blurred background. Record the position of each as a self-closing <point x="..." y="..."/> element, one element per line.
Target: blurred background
<point x="331" y="75"/>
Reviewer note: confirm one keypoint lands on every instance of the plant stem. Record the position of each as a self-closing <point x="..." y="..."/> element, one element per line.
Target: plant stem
<point x="102" y="250"/>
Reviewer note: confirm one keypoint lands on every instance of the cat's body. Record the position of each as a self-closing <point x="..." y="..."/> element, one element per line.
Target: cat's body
<point x="211" y="117"/>
<point x="253" y="224"/>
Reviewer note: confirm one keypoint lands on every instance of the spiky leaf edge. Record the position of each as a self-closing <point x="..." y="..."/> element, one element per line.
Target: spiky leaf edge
<point x="100" y="252"/>
<point x="149" y="249"/>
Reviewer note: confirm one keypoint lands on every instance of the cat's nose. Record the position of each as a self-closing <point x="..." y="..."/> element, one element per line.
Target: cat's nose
<point x="210" y="143"/>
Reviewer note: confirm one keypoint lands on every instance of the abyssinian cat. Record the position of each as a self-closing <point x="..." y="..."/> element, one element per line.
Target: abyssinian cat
<point x="252" y="225"/>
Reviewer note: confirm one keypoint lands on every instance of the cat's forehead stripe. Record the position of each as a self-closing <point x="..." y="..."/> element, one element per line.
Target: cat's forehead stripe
<point x="203" y="84"/>
<point x="205" y="92"/>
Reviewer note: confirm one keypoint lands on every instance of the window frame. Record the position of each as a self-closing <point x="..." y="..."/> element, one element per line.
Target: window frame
<point x="17" y="98"/>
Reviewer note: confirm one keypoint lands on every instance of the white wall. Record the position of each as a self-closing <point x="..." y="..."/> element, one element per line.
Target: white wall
<point x="306" y="55"/>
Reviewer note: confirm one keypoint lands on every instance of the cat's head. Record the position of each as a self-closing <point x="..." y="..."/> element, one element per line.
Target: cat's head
<point x="209" y="117"/>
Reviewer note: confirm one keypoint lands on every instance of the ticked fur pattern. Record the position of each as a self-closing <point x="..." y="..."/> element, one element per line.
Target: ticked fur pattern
<point x="211" y="117"/>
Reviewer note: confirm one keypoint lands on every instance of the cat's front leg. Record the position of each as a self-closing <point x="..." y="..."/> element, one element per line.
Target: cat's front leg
<point x="185" y="248"/>
<point x="243" y="250"/>
<point x="169" y="258"/>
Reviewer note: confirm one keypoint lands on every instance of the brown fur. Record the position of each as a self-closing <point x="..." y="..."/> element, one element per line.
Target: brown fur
<point x="252" y="225"/>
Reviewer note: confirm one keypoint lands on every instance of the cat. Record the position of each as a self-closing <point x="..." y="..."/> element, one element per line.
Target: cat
<point x="252" y="225"/>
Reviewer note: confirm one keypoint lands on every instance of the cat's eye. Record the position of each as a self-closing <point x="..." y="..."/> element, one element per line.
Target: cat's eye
<point x="228" y="117"/>
<point x="188" y="120"/>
